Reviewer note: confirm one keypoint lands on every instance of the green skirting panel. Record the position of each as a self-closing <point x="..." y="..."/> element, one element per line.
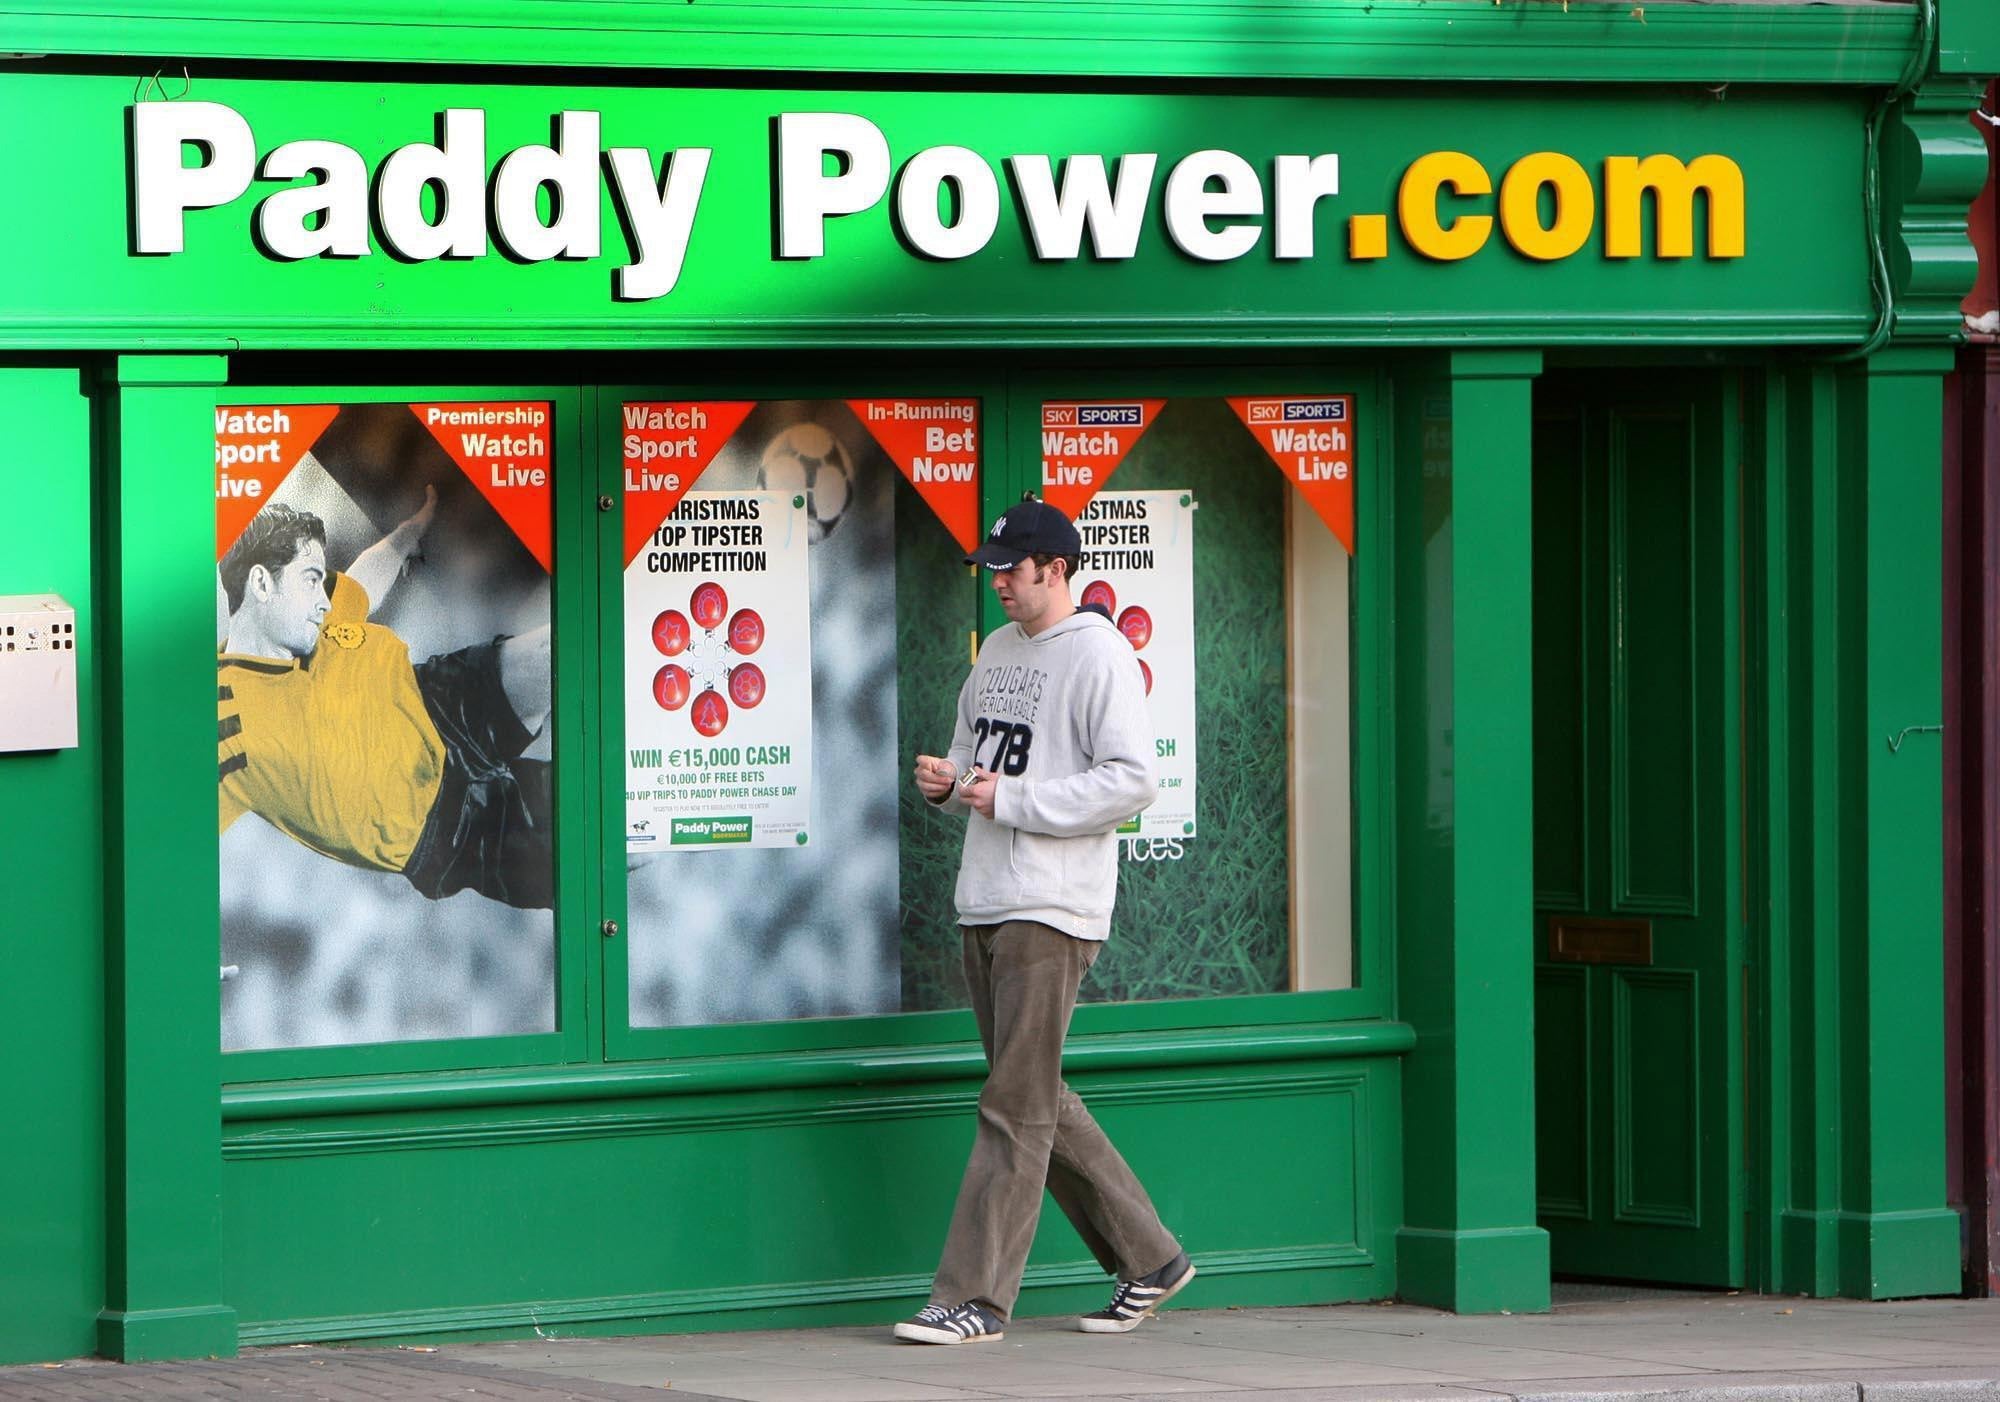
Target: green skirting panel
<point x="783" y="1208"/>
<point x="1474" y="1272"/>
<point x="1894" y="1255"/>
<point x="144" y="1336"/>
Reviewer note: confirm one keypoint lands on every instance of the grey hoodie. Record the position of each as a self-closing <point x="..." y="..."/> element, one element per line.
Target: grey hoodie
<point x="1061" y="719"/>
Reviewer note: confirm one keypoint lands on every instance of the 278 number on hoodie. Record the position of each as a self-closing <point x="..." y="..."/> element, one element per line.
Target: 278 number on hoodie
<point x="1011" y="740"/>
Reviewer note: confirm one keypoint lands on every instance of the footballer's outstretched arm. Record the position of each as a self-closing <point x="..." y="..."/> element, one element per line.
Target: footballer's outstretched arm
<point x="378" y="567"/>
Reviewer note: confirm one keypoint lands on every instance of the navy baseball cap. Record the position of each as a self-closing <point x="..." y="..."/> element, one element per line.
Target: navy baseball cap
<point x="1029" y="527"/>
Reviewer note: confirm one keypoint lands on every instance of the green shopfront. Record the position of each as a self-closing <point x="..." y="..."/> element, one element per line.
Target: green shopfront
<point x="1509" y="436"/>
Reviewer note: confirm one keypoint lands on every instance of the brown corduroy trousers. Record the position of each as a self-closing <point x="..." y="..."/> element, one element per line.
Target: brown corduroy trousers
<point x="1033" y="1130"/>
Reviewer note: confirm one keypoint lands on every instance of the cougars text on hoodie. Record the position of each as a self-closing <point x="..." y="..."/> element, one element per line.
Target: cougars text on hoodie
<point x="1061" y="720"/>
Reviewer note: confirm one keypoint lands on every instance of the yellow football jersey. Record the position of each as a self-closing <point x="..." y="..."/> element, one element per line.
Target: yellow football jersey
<point x="336" y="750"/>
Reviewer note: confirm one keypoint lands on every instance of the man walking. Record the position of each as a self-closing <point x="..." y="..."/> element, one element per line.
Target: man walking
<point x="1053" y="750"/>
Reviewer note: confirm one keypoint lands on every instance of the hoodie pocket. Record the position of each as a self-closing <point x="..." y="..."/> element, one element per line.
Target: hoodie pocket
<point x="1040" y="864"/>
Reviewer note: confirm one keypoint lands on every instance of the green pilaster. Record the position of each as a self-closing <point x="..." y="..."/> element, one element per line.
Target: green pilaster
<point x="1852" y="809"/>
<point x="1798" y="939"/>
<point x="52" y="1231"/>
<point x="1896" y="1235"/>
<point x="164" y="1168"/>
<point x="1470" y="1242"/>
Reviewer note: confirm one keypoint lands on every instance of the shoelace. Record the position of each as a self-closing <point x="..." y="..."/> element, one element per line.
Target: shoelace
<point x="933" y="1314"/>
<point x="1121" y="1298"/>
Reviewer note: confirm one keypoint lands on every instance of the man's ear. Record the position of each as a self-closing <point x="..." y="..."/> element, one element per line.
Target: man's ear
<point x="259" y="582"/>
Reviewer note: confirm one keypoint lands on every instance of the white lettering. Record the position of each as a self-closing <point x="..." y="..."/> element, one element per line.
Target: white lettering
<point x="164" y="190"/>
<point x="660" y="215"/>
<point x="339" y="198"/>
<point x="1302" y="181"/>
<point x="923" y="469"/>
<point x="1056" y="222"/>
<point x="1191" y="204"/>
<point x="457" y="167"/>
<point x="807" y="195"/>
<point x="919" y="187"/>
<point x="569" y="169"/>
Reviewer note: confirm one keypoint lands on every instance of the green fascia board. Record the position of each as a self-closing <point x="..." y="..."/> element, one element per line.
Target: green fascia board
<point x="1802" y="280"/>
<point x="1540" y="40"/>
<point x="1968" y="37"/>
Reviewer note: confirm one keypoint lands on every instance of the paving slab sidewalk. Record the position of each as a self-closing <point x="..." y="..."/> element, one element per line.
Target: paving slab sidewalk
<point x="1597" y="1345"/>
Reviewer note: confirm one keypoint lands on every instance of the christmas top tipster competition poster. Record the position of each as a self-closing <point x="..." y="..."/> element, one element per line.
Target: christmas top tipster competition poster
<point x="718" y="672"/>
<point x="1138" y="565"/>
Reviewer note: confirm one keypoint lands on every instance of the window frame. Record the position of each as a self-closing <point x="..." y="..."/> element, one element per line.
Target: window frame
<point x="591" y="993"/>
<point x="571" y="677"/>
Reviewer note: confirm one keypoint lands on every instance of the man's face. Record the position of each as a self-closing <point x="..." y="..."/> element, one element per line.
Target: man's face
<point x="1028" y="592"/>
<point x="292" y="603"/>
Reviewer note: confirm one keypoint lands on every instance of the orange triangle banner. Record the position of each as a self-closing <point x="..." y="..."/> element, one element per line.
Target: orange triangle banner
<point x="667" y="445"/>
<point x="1083" y="441"/>
<point x="935" y="444"/>
<point x="503" y="447"/>
<point x="256" y="448"/>
<point x="1311" y="439"/>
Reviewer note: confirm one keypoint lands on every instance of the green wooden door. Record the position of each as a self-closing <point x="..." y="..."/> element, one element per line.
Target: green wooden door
<point x="1638" y="1001"/>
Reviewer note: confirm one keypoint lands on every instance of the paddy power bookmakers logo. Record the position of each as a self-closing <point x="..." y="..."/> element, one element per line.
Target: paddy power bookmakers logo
<point x="449" y="197"/>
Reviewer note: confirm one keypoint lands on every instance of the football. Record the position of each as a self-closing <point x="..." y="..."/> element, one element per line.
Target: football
<point x="808" y="458"/>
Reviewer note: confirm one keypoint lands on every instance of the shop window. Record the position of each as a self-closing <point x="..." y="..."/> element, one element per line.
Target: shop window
<point x="788" y="623"/>
<point x="781" y="620"/>
<point x="1234" y="589"/>
<point x="794" y="872"/>
<point x="383" y="695"/>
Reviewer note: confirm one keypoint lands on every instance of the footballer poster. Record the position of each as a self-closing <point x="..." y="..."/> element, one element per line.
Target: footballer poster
<point x="382" y="699"/>
<point x="1138" y="567"/>
<point x="718" y="676"/>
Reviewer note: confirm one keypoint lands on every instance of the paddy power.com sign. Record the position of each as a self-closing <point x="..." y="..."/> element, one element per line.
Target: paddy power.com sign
<point x="456" y="195"/>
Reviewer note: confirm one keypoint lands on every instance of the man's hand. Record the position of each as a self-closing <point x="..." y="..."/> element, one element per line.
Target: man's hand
<point x="935" y="777"/>
<point x="419" y="521"/>
<point x="377" y="568"/>
<point x="978" y="791"/>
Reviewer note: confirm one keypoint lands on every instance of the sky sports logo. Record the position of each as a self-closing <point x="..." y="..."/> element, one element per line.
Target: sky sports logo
<point x="1093" y="415"/>
<point x="1294" y="411"/>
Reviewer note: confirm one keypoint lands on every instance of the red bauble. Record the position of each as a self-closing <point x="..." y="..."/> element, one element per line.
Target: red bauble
<point x="746" y="684"/>
<point x="1147" y="673"/>
<point x="710" y="713"/>
<point x="671" y="633"/>
<point x="1137" y="626"/>
<point x="1099" y="591"/>
<point x="746" y="631"/>
<point x="709" y="604"/>
<point x="671" y="685"/>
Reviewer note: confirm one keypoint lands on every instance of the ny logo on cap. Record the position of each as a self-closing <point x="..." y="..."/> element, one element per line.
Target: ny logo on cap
<point x="998" y="526"/>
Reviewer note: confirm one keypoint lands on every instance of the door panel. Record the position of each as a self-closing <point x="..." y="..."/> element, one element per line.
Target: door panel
<point x="1659" y="1100"/>
<point x="1562" y="1093"/>
<point x="1638" y="1126"/>
<point x="1653" y="679"/>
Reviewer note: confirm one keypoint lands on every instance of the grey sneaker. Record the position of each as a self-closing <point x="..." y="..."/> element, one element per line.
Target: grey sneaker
<point x="1133" y="1300"/>
<point x="969" y="1323"/>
